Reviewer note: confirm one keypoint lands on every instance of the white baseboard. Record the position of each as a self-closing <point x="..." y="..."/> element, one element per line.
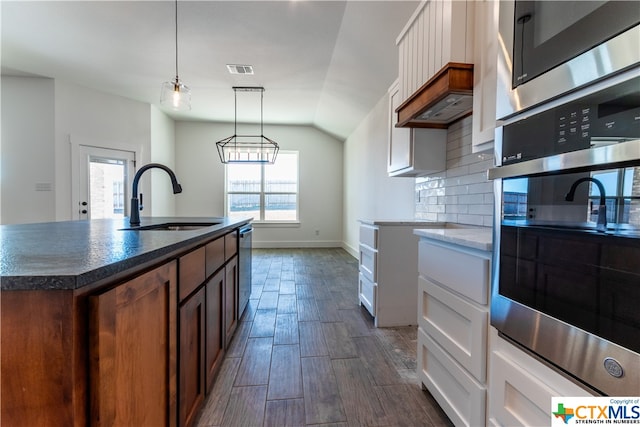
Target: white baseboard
<point x="297" y="244"/>
<point x="354" y="252"/>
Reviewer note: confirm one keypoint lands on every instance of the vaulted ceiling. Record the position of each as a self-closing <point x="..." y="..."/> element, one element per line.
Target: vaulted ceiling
<point x="322" y="63"/>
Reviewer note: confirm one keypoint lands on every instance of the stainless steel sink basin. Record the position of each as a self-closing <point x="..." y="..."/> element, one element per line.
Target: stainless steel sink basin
<point x="174" y="226"/>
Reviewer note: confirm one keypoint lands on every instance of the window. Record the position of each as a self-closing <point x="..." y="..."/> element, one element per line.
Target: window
<point x="263" y="191"/>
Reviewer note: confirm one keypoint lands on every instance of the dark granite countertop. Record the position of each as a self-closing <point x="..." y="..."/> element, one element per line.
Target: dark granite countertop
<point x="73" y="254"/>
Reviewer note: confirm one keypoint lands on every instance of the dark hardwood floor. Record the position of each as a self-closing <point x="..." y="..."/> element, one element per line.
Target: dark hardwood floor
<point x="306" y="353"/>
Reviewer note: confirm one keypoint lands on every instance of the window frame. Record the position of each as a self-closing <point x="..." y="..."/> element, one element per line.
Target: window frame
<point x="262" y="193"/>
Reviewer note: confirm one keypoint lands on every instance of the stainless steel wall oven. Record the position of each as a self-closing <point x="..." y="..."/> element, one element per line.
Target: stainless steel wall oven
<point x="566" y="282"/>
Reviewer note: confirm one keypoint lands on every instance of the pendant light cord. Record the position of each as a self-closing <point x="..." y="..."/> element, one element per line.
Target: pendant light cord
<point x="176" y="22"/>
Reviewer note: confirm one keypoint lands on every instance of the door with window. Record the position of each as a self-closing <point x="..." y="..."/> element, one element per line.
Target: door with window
<point x="105" y="177"/>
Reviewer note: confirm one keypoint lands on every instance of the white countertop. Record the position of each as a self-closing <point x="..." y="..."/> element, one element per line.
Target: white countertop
<point x="472" y="237"/>
<point x="412" y="222"/>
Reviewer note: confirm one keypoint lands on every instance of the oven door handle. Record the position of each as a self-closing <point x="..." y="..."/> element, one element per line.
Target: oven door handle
<point x="623" y="154"/>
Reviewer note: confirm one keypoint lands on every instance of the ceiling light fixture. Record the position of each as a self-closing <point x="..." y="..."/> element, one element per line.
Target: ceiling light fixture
<point x="175" y="94"/>
<point x="247" y="148"/>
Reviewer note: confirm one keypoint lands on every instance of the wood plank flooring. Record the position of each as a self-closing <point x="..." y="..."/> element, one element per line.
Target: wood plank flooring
<point x="306" y="353"/>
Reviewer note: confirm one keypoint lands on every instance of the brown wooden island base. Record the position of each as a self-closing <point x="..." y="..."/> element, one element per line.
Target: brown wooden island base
<point x="141" y="350"/>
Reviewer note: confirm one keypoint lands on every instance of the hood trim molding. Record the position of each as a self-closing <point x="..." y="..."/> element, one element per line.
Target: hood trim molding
<point x="454" y="78"/>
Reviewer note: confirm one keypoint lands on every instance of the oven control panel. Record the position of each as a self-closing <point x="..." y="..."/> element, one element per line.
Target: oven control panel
<point x="606" y="117"/>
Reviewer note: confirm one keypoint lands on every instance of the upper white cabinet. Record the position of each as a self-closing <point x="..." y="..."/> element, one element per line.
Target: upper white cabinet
<point x="439" y="32"/>
<point x="485" y="74"/>
<point x="413" y="152"/>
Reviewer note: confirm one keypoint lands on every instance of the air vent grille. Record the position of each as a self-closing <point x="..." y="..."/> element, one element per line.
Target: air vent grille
<point x="240" y="69"/>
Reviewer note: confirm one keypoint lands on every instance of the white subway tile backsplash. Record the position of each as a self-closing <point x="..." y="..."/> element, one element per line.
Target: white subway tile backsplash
<point x="461" y="194"/>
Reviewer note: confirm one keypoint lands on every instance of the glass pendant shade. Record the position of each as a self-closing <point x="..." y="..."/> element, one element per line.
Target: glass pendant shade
<point x="175" y="95"/>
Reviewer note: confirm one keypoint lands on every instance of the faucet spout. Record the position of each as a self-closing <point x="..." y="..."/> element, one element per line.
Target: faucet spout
<point x="602" y="208"/>
<point x="134" y="218"/>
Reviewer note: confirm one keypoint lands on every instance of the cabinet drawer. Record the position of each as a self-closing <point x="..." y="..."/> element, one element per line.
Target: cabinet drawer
<point x="230" y="245"/>
<point x="457" y="325"/>
<point x="191" y="272"/>
<point x="460" y="271"/>
<point x="461" y="397"/>
<point x="522" y="387"/>
<point x="369" y="262"/>
<point x="369" y="236"/>
<point x="367" y="293"/>
<point x="214" y="255"/>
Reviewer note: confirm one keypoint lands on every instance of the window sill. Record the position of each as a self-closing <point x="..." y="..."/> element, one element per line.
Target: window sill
<point x="276" y="224"/>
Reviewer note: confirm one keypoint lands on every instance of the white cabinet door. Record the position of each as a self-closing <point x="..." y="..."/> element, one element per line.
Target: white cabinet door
<point x="400" y="150"/>
<point x="457" y="325"/>
<point x="461" y="397"/>
<point x="485" y="74"/>
<point x="367" y="291"/>
<point x="413" y="152"/>
<point x="521" y="387"/>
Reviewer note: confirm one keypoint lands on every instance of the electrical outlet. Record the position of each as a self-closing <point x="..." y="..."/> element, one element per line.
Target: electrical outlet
<point x="317" y="232"/>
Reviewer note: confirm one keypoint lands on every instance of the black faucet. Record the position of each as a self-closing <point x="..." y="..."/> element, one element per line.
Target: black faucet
<point x="134" y="219"/>
<point x="602" y="209"/>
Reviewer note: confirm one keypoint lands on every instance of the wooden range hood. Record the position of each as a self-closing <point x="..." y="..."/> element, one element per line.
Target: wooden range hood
<point x="445" y="98"/>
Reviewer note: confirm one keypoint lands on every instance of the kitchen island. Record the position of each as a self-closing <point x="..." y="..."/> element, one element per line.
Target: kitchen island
<point x="102" y="325"/>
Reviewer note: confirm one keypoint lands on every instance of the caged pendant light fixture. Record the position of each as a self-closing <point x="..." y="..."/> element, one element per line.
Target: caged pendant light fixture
<point x="175" y="94"/>
<point x="247" y="148"/>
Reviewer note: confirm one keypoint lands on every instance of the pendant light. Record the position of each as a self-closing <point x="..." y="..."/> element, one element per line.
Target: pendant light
<point x="247" y="148"/>
<point x="175" y="94"/>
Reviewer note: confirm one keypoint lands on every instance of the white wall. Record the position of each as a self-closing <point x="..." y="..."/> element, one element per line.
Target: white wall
<point x="320" y="178"/>
<point x="368" y="192"/>
<point x="27" y="168"/>
<point x="86" y="116"/>
<point x="163" y="150"/>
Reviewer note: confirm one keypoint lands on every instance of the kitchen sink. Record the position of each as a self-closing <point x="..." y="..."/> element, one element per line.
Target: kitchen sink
<point x="173" y="226"/>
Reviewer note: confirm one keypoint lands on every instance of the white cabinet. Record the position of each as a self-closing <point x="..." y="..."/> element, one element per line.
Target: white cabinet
<point x="388" y="270"/>
<point x="411" y="151"/>
<point x="521" y="387"/>
<point x="453" y="320"/>
<point x="485" y="74"/>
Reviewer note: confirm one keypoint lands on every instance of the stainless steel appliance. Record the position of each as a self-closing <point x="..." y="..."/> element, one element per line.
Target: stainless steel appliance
<point x="244" y="266"/>
<point x="548" y="48"/>
<point x="566" y="278"/>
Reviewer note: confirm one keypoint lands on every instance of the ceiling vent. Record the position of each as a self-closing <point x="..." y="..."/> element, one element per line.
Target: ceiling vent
<point x="240" y="69"/>
<point x="447" y="97"/>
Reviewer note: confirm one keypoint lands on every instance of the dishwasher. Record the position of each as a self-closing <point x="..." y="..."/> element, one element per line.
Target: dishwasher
<point x="244" y="267"/>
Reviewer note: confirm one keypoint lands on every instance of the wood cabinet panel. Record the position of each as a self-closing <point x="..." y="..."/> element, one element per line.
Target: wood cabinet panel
<point x="191" y="271"/>
<point x="132" y="351"/>
<point x="230" y="299"/>
<point x="192" y="369"/>
<point x="230" y="245"/>
<point x="214" y="252"/>
<point x="214" y="344"/>
<point x="37" y="368"/>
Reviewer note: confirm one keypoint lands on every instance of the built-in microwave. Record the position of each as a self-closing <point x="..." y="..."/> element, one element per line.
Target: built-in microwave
<point x="550" y="48"/>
